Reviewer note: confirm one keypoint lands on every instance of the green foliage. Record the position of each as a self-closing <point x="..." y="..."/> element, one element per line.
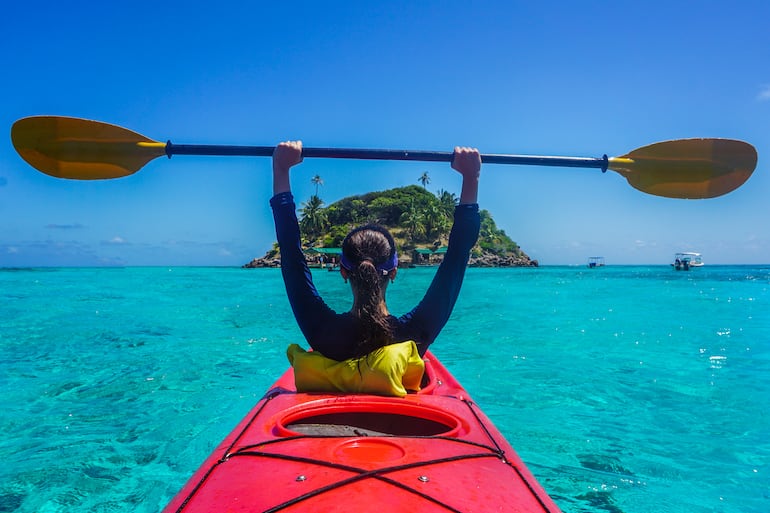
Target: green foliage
<point x="333" y="238"/>
<point x="448" y="201"/>
<point x="314" y="219"/>
<point x="411" y="221"/>
<point x="416" y="217"/>
<point x="494" y="240"/>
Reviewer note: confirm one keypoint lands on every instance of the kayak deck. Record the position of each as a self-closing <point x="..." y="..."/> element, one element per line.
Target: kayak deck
<point x="433" y="451"/>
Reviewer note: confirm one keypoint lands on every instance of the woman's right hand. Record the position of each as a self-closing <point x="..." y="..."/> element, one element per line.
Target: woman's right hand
<point x="285" y="155"/>
<point x="467" y="161"/>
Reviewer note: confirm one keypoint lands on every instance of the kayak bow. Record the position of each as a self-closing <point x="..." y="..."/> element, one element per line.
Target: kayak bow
<point x="433" y="451"/>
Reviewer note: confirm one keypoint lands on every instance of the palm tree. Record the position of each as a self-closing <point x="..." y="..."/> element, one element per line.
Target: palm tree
<point x="448" y="201"/>
<point x="313" y="220"/>
<point x="412" y="220"/>
<point x="317" y="180"/>
<point x="436" y="223"/>
<point x="424" y="179"/>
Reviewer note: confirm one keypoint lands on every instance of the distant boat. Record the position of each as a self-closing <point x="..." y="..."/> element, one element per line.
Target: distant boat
<point x="595" y="262"/>
<point x="685" y="260"/>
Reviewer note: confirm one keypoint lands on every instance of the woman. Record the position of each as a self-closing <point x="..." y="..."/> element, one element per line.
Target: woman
<point x="369" y="261"/>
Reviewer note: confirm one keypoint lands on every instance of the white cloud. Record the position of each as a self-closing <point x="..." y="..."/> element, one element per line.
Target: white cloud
<point x="638" y="243"/>
<point x="764" y="94"/>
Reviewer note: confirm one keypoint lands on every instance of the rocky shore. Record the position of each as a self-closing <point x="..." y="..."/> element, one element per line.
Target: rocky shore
<point x="263" y="262"/>
<point x="485" y="260"/>
<point x="489" y="260"/>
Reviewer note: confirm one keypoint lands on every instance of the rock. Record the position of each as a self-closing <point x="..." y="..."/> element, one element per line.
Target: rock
<point x="485" y="260"/>
<point x="491" y="260"/>
<point x="263" y="262"/>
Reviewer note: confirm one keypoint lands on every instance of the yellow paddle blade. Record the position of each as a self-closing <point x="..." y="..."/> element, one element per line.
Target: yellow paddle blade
<point x="688" y="168"/>
<point x="82" y="149"/>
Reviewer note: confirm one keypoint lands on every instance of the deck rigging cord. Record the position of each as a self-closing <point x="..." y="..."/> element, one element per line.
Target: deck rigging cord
<point x="258" y="451"/>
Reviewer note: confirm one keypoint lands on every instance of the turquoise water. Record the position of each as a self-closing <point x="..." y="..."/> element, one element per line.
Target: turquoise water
<point x="625" y="389"/>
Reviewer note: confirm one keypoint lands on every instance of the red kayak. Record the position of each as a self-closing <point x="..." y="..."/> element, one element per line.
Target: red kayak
<point x="432" y="451"/>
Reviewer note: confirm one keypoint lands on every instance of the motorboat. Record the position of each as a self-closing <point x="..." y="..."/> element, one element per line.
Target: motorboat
<point x="683" y="261"/>
<point x="595" y="261"/>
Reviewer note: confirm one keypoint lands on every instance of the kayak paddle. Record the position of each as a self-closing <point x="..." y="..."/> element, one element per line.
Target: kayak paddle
<point x="82" y="149"/>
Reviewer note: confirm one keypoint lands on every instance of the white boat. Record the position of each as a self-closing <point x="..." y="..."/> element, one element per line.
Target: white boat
<point x="685" y="260"/>
<point x="595" y="262"/>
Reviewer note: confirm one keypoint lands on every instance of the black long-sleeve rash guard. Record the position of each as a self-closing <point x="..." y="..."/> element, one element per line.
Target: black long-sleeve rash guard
<point x="336" y="335"/>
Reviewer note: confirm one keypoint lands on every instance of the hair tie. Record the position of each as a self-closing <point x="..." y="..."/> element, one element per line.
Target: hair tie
<point x="384" y="267"/>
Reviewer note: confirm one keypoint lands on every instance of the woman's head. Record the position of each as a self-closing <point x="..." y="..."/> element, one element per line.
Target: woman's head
<point x="369" y="260"/>
<point x="370" y="243"/>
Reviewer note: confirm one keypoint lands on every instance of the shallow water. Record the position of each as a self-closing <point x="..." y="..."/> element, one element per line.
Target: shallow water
<point x="624" y="389"/>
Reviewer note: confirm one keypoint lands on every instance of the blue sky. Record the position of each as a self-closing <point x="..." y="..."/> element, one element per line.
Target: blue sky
<point x="547" y="78"/>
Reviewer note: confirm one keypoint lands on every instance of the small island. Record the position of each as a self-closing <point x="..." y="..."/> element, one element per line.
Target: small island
<point x="419" y="221"/>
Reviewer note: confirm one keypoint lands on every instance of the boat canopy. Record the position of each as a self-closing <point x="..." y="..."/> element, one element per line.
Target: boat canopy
<point x="689" y="256"/>
<point x="431" y="251"/>
<point x="325" y="251"/>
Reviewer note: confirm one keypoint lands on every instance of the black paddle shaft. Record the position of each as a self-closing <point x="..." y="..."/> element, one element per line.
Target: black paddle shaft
<point x="367" y="154"/>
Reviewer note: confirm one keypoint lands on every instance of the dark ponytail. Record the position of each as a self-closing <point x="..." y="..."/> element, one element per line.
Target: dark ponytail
<point x="368" y="255"/>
